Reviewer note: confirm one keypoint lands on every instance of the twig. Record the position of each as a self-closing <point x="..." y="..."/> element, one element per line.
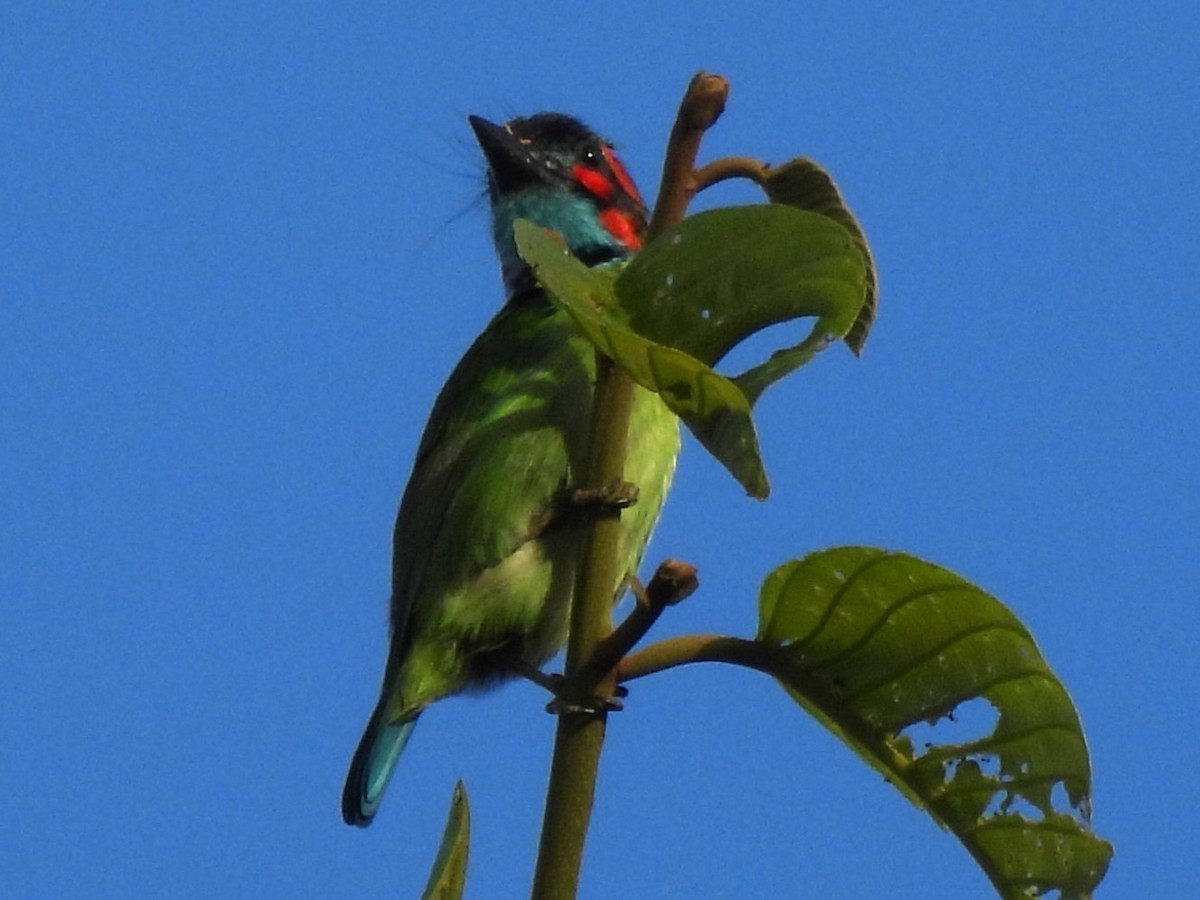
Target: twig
<point x="690" y="649"/>
<point x="673" y="582"/>
<point x="701" y="107"/>
<point x="731" y="167"/>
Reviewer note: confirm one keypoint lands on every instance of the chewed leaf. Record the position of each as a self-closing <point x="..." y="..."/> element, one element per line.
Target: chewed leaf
<point x="712" y="406"/>
<point x="805" y="185"/>
<point x="449" y="875"/>
<point x="890" y="652"/>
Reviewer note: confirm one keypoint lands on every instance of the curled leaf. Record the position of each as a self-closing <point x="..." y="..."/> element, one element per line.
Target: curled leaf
<point x="679" y="306"/>
<point x="711" y="405"/>
<point x="723" y="275"/>
<point x="804" y="184"/>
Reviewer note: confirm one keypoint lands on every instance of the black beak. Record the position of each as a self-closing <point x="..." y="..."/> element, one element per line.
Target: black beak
<point x="511" y="165"/>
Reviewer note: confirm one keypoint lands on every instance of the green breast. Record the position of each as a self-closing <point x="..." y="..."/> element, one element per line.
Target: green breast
<point x="483" y="564"/>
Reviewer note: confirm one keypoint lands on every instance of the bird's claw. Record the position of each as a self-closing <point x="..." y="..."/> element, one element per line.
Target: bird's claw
<point x="616" y="495"/>
<point x="567" y="701"/>
<point x="562" y="705"/>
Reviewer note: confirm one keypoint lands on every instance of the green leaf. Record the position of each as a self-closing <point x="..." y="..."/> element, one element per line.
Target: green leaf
<point x="805" y="185"/>
<point x="699" y="290"/>
<point x="712" y="406"/>
<point x="723" y="275"/>
<point x="883" y="648"/>
<point x="449" y="874"/>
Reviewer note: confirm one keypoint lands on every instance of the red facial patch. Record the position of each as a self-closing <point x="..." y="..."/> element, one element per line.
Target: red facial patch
<point x="622" y="226"/>
<point x="593" y="182"/>
<point x="623" y="180"/>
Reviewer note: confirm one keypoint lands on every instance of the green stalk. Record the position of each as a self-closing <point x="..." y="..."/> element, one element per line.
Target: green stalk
<point x="579" y="737"/>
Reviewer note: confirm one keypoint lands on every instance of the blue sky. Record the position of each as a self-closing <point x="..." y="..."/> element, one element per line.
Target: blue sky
<point x="240" y="249"/>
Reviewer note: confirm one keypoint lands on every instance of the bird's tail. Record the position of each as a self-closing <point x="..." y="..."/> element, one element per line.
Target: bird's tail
<point x="372" y="766"/>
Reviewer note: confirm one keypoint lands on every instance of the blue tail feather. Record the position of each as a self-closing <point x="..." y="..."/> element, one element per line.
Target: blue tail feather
<point x="372" y="766"/>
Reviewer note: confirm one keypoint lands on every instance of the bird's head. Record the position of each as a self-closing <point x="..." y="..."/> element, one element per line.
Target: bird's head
<point x="549" y="168"/>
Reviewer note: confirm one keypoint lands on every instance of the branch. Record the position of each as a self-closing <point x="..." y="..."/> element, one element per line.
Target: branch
<point x="673" y="582"/>
<point x="732" y="167"/>
<point x="701" y="107"/>
<point x="695" y="648"/>
<point x="580" y="735"/>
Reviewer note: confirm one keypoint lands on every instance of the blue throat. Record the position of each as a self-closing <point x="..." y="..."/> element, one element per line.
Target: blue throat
<point x="572" y="216"/>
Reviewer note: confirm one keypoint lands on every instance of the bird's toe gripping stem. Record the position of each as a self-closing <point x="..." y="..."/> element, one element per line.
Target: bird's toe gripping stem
<point x="613" y="497"/>
<point x="568" y="702"/>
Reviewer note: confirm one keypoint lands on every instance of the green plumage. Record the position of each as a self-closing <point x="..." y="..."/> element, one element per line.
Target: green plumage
<point x="485" y="539"/>
<point x="484" y="543"/>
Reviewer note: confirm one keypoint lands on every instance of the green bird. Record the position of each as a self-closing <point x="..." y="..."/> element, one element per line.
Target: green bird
<point x="483" y="552"/>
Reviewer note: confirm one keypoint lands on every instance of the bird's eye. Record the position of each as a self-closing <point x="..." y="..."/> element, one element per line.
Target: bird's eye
<point x="591" y="157"/>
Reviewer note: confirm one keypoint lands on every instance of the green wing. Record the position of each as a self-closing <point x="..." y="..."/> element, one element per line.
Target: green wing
<point x="504" y="437"/>
<point x="480" y="581"/>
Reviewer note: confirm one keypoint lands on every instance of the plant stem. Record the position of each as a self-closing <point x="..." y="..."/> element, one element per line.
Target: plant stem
<point x="731" y="167"/>
<point x="579" y="737"/>
<point x="702" y="105"/>
<point x="673" y="582"/>
<point x="693" y="648"/>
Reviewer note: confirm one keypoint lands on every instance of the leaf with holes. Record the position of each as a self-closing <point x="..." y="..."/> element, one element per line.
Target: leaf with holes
<point x="711" y="405"/>
<point x="449" y="875"/>
<point x="880" y="646"/>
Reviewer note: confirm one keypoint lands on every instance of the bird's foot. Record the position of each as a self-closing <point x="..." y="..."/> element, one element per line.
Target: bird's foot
<point x="614" y="496"/>
<point x="572" y="502"/>
<point x="568" y="702"/>
<point x="564" y="704"/>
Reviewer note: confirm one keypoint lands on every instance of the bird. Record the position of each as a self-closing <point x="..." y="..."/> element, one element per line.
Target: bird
<point x="484" y="543"/>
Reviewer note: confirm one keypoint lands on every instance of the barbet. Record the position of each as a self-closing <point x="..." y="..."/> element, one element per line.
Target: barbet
<point x="483" y="555"/>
